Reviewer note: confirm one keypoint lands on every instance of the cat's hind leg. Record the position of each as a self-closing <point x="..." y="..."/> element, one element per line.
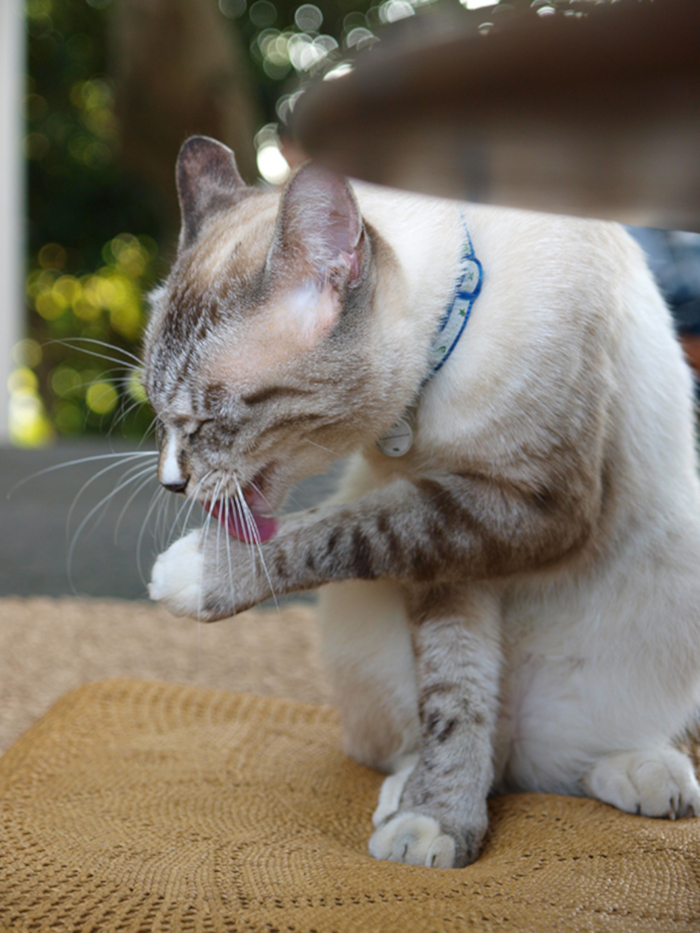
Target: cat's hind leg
<point x="366" y="646"/>
<point x="434" y="813"/>
<point x="656" y="782"/>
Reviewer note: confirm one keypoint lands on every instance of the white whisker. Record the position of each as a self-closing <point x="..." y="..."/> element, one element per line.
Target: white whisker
<point x="260" y="493"/>
<point x="187" y="503"/>
<point x="218" y="529"/>
<point x="149" y="479"/>
<point x="74" y="344"/>
<point x="321" y="447"/>
<point x="161" y="519"/>
<point x="256" y="539"/>
<point x="158" y="495"/>
<point x="124" y="413"/>
<point x="59" y="466"/>
<point x="230" y="563"/>
<point x="129" y="458"/>
<point x="193" y="501"/>
<point x="205" y="534"/>
<point x="102" y="503"/>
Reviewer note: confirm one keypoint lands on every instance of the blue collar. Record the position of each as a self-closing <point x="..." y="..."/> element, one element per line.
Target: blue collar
<point x="399" y="439"/>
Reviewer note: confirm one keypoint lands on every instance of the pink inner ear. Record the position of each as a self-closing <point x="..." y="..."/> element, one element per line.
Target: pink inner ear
<point x="319" y="213"/>
<point x="340" y="230"/>
<point x="353" y="261"/>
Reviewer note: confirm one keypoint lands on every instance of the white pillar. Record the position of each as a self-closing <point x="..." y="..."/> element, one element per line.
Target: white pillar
<point x="12" y="58"/>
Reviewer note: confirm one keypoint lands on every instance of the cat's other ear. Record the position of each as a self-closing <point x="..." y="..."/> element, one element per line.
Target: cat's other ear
<point x="319" y="228"/>
<point x="207" y="181"/>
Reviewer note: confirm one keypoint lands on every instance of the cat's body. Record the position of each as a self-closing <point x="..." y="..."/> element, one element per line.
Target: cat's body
<point x="519" y="596"/>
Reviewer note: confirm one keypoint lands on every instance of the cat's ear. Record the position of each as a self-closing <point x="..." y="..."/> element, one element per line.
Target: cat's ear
<point x="207" y="181"/>
<point x="320" y="228"/>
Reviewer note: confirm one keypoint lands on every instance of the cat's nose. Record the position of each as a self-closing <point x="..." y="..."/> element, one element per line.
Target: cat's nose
<point x="177" y="487"/>
<point x="171" y="468"/>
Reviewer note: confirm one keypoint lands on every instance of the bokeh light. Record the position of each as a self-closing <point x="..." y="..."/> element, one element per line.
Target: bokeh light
<point x="89" y="323"/>
<point x="29" y="424"/>
<point x="272" y="165"/>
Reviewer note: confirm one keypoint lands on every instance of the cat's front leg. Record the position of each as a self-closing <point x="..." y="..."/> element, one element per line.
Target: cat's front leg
<point x="447" y="528"/>
<point x="435" y="813"/>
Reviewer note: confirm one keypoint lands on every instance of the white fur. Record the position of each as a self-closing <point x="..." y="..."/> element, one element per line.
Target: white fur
<point x="169" y="472"/>
<point x="653" y="783"/>
<point x="415" y="839"/>
<point x="602" y="667"/>
<point x="392" y="788"/>
<point x="176" y="578"/>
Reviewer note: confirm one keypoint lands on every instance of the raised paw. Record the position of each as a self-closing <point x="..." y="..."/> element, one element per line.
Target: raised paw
<point x="659" y="782"/>
<point x="176" y="579"/>
<point x="414" y="839"/>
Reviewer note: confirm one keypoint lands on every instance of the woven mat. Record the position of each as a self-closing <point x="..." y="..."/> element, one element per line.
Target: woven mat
<point x="135" y="807"/>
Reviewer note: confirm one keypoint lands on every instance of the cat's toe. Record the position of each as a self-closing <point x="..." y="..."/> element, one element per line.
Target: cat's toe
<point x="414" y="839"/>
<point x="658" y="783"/>
<point x="176" y="578"/>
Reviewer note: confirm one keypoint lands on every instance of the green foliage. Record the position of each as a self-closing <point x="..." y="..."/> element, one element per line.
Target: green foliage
<point x="86" y="331"/>
<point x="85" y="277"/>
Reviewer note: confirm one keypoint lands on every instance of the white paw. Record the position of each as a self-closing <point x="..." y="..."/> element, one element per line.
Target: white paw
<point x="414" y="839"/>
<point x="660" y="782"/>
<point x="392" y="788"/>
<point x="176" y="578"/>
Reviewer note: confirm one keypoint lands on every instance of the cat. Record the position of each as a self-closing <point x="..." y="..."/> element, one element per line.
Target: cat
<point x="511" y="598"/>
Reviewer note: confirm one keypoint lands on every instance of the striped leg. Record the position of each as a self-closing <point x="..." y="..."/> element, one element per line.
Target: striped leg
<point x="441" y="816"/>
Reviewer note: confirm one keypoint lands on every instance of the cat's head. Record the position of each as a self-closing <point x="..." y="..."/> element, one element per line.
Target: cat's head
<point x="260" y="355"/>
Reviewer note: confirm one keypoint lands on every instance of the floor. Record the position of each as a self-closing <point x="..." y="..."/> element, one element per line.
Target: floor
<point x="77" y="518"/>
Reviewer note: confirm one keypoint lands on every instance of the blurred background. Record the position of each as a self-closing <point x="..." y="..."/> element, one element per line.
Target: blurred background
<point x="96" y="97"/>
<point x="112" y="88"/>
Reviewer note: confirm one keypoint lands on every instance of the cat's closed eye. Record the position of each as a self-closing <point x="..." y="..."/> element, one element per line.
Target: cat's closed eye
<point x="197" y="432"/>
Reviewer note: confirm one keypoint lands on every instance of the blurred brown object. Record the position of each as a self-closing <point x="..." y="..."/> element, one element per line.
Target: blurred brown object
<point x="594" y="113"/>
<point x="179" y="71"/>
<point x="691" y="348"/>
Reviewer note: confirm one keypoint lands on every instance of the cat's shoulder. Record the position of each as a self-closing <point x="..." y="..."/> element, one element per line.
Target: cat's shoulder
<point x="527" y="237"/>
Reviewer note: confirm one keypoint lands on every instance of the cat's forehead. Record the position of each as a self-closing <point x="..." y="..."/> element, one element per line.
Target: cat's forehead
<point x="212" y="285"/>
<point x="276" y="340"/>
<point x="233" y="245"/>
<point x="235" y="352"/>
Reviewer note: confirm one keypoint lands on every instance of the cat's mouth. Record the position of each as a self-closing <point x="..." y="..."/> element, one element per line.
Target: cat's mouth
<point x="250" y="523"/>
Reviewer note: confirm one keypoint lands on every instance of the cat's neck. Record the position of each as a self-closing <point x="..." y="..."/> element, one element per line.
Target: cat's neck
<point x="426" y="236"/>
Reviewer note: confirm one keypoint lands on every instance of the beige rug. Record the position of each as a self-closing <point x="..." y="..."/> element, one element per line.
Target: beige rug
<point x="137" y="807"/>
<point x="50" y="646"/>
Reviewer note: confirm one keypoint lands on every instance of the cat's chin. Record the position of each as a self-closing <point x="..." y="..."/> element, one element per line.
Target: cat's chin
<point x="244" y="524"/>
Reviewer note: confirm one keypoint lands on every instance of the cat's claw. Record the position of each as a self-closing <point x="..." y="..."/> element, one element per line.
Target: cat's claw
<point x="658" y="783"/>
<point x="414" y="839"/>
<point x="176" y="579"/>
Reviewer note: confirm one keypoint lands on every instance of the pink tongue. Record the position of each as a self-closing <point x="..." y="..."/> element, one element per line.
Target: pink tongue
<point x="238" y="528"/>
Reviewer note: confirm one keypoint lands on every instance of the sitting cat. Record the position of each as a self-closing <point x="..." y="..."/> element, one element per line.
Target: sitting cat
<point x="513" y="557"/>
